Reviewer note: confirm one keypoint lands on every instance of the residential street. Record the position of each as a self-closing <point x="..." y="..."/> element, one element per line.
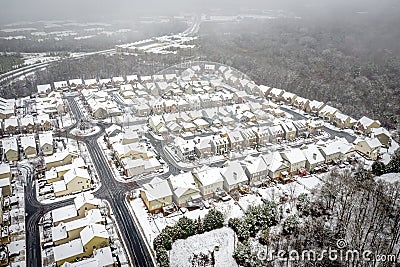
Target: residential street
<point x="110" y="190"/>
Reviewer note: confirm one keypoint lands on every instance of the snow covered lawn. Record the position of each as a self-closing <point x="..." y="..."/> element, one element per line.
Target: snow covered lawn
<point x="389" y="177"/>
<point x="183" y="249"/>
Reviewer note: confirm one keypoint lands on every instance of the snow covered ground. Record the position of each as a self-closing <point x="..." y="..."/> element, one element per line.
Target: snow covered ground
<point x="387" y="153"/>
<point x="183" y="249"/>
<point x="390" y="177"/>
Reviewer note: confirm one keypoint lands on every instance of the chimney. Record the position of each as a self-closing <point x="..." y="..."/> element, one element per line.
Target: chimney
<point x="314" y="156"/>
<point x="235" y="175"/>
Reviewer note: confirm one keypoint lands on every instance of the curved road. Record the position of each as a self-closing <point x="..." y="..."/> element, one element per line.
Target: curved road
<point x="110" y="190"/>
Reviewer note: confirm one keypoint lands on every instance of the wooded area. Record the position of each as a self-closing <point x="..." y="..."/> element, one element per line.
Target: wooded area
<point x="352" y="62"/>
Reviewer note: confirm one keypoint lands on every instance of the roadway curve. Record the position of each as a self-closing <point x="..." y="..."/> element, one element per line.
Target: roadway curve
<point x="111" y="190"/>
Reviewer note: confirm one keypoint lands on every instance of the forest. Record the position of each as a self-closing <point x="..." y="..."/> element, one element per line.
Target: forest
<point x="354" y="211"/>
<point x="351" y="62"/>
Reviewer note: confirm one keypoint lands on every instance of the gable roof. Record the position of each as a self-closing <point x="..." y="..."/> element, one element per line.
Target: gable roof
<point x="234" y="173"/>
<point x="93" y="230"/>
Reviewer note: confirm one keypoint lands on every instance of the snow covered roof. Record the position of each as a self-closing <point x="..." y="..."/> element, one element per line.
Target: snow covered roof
<point x="43" y="88"/>
<point x="273" y="160"/>
<point x="294" y="156"/>
<point x="90" y="82"/>
<point x="234" y="173"/>
<point x="182" y="182"/>
<point x="255" y="165"/>
<point x="76" y="172"/>
<point x="328" y="110"/>
<point x="235" y="136"/>
<point x="157" y="188"/>
<point x="63" y="213"/>
<point x="4" y="168"/>
<point x="12" y="121"/>
<point x="68" y="250"/>
<point x="380" y="130"/>
<point x="93" y="230"/>
<point x="118" y="79"/>
<point x="28" y="141"/>
<point x="75" y="82"/>
<point x="60" y="84"/>
<point x="86" y="198"/>
<point x="27" y="120"/>
<point x="313" y="154"/>
<point x="208" y="176"/>
<point x="10" y="144"/>
<point x="131" y="78"/>
<point x="365" y="121"/>
<point x="56" y="157"/>
<point x="373" y="142"/>
<point x="46" y="138"/>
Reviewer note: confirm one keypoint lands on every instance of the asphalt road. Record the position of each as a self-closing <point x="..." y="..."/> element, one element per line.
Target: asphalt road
<point x="297" y="116"/>
<point x="110" y="190"/>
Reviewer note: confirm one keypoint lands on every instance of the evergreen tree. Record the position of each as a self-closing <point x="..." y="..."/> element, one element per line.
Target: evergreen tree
<point x="214" y="219"/>
<point x="199" y="226"/>
<point x="378" y="168"/>
<point x="185" y="227"/>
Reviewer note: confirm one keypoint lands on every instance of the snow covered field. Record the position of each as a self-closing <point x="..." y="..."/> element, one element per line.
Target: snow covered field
<point x="183" y="249"/>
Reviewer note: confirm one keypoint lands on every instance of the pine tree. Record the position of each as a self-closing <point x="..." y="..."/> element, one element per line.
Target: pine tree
<point x="200" y="226"/>
<point x="214" y="219"/>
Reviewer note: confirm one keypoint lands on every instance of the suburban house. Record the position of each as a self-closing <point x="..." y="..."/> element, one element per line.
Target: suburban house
<point x="256" y="170"/>
<point x="46" y="143"/>
<point x="327" y="113"/>
<point x="61" y="85"/>
<point x="250" y="138"/>
<point x="74" y="180"/>
<point x="220" y="145"/>
<point x="301" y="128"/>
<point x="184" y="189"/>
<point x="276" y="94"/>
<point x="289" y="130"/>
<point x="65" y="232"/>
<point x="288" y="97"/>
<point x="331" y="152"/>
<point x="28" y="144"/>
<point x="208" y="180"/>
<point x="314" y="158"/>
<point x="156" y="123"/>
<point x="27" y="124"/>
<point x="262" y="135"/>
<point x="156" y="194"/>
<point x="300" y="102"/>
<point x="43" y="122"/>
<point x="10" y="148"/>
<point x="315" y="126"/>
<point x="76" y="84"/>
<point x="382" y="134"/>
<point x="343" y="121"/>
<point x="369" y="147"/>
<point x="5" y="171"/>
<point x="83" y="202"/>
<point x="202" y="147"/>
<point x="295" y="159"/>
<point x="133" y="167"/>
<point x="43" y="89"/>
<point x="365" y="125"/>
<point x="11" y="125"/>
<point x="91" y="83"/>
<point x="58" y="159"/>
<point x="275" y="164"/>
<point x="276" y="133"/>
<point x="314" y="106"/>
<point x="234" y="176"/>
<point x="236" y="140"/>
